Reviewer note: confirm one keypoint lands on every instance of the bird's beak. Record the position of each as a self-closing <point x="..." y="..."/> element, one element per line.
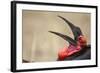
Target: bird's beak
<point x="76" y="30"/>
<point x="65" y="37"/>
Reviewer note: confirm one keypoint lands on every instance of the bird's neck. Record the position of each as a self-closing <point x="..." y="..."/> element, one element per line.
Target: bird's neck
<point x="67" y="51"/>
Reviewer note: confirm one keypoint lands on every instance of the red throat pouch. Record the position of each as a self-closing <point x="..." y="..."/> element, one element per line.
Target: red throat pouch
<point x="66" y="52"/>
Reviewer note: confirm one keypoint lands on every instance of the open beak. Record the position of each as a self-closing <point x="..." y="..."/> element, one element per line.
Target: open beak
<point x="76" y="30"/>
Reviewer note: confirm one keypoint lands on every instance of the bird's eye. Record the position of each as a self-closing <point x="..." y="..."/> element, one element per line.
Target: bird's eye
<point x="80" y="38"/>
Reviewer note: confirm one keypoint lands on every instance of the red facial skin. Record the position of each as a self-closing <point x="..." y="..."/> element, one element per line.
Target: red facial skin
<point x="71" y="49"/>
<point x="82" y="41"/>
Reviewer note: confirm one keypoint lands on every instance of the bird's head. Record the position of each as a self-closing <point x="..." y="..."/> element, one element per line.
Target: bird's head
<point x="82" y="41"/>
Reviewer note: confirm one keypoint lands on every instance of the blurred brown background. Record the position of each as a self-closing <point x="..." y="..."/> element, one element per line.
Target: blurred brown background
<point x="38" y="43"/>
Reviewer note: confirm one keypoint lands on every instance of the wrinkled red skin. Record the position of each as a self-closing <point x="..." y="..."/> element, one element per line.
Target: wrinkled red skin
<point x="71" y="49"/>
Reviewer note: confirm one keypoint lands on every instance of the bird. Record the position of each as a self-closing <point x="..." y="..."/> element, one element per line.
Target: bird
<point x="78" y="49"/>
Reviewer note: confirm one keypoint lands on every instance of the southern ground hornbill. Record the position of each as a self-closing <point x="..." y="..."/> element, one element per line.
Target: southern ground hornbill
<point x="78" y="48"/>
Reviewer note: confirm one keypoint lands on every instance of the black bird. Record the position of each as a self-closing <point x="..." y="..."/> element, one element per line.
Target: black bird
<point x="78" y="48"/>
